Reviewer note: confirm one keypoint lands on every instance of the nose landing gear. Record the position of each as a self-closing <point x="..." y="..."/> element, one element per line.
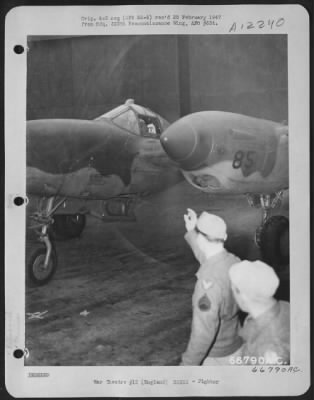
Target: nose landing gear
<point x="272" y="236"/>
<point x="42" y="263"/>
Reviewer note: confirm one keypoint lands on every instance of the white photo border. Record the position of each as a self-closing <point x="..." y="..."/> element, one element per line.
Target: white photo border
<point x="79" y="381"/>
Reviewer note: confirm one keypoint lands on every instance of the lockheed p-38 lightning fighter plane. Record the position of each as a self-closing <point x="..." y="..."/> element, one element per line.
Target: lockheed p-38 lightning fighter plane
<point x="227" y="153"/>
<point x="100" y="167"/>
<point x="105" y="166"/>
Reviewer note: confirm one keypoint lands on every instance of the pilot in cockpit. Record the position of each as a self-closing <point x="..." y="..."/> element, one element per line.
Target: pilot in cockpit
<point x="152" y="129"/>
<point x="147" y="128"/>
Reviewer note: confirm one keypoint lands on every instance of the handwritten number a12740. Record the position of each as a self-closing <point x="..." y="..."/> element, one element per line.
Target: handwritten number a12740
<point x="247" y="159"/>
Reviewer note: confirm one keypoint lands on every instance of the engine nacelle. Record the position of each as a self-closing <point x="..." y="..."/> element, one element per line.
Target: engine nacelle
<point x="223" y="152"/>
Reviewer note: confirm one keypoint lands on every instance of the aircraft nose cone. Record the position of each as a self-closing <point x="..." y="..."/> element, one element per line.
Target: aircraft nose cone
<point x="185" y="144"/>
<point x="178" y="142"/>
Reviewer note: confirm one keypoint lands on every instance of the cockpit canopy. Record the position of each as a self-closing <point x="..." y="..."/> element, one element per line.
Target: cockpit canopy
<point x="136" y="119"/>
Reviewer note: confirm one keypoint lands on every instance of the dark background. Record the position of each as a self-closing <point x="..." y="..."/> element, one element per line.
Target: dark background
<point x="138" y="278"/>
<point x="83" y="77"/>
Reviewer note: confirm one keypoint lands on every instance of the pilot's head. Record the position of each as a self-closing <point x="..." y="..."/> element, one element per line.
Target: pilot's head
<point x="211" y="229"/>
<point x="254" y="284"/>
<point x="151" y="129"/>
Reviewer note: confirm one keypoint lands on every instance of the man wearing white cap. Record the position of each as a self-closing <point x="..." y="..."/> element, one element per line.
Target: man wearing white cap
<point x="266" y="330"/>
<point x="214" y="335"/>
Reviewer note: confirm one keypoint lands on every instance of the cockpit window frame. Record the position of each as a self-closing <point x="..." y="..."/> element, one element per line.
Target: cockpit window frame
<point x="144" y="114"/>
<point x="150" y="119"/>
<point x="122" y="112"/>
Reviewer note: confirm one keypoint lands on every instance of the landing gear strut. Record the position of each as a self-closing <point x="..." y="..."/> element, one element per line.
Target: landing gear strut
<point x="267" y="203"/>
<point x="272" y="236"/>
<point x="43" y="262"/>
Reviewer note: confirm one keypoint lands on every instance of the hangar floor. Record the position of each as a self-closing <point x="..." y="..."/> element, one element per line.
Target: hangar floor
<point x="124" y="298"/>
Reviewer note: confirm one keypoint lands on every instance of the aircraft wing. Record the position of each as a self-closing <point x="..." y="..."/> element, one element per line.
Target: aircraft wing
<point x="117" y="153"/>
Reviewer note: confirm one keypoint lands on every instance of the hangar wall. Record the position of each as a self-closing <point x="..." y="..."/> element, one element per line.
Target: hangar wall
<point x="244" y="73"/>
<point x="83" y="77"/>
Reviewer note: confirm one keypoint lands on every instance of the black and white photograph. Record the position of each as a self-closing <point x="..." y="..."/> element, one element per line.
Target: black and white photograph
<point x="158" y="222"/>
<point x="126" y="135"/>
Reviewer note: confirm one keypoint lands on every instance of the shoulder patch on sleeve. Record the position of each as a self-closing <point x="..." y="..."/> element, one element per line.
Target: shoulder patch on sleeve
<point x="204" y="304"/>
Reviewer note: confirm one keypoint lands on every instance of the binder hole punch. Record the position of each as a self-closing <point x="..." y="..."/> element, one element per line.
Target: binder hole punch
<point x="18" y="353"/>
<point x="18" y="200"/>
<point x="18" y="49"/>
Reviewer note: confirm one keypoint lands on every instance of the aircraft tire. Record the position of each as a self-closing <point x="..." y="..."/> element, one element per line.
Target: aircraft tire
<point x="67" y="226"/>
<point x="36" y="275"/>
<point x="274" y="241"/>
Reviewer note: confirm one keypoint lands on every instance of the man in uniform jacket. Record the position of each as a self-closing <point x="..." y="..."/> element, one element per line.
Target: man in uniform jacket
<point x="266" y="330"/>
<point x="214" y="333"/>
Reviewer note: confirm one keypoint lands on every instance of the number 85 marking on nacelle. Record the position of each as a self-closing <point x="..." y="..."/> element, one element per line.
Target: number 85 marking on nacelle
<point x="247" y="159"/>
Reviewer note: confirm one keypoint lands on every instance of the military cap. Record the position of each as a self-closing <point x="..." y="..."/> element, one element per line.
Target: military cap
<point x="212" y="226"/>
<point x="254" y="278"/>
